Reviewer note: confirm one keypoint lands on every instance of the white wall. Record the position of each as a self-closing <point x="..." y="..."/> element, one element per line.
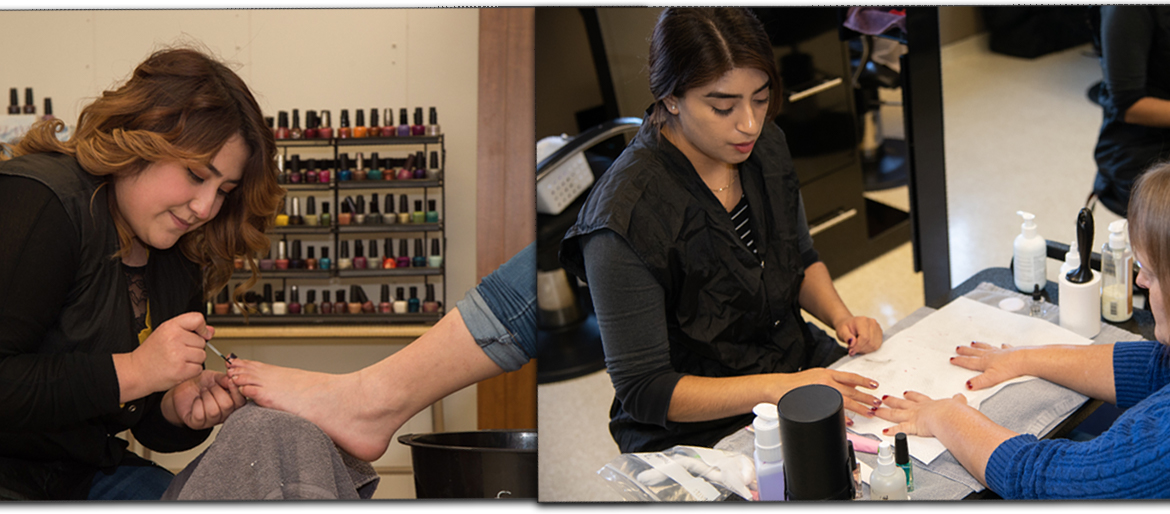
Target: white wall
<point x="304" y="59"/>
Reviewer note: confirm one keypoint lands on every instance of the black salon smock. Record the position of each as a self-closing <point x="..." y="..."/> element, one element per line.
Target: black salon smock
<point x="728" y="312"/>
<point x="65" y="310"/>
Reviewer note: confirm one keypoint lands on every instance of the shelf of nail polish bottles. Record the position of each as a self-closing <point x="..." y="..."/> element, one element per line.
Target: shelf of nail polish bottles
<point x="397" y="227"/>
<point x="258" y="319"/>
<point x="392" y="272"/>
<point x="301" y="229"/>
<point x="280" y="273"/>
<point x="390" y="184"/>
<point x="315" y="186"/>
<point x="389" y="141"/>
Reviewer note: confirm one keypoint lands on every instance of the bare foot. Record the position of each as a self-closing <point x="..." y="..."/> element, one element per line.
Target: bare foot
<point x="359" y="424"/>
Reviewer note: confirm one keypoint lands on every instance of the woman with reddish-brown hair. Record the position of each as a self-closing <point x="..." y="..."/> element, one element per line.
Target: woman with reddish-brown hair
<point x="697" y="252"/>
<point x="112" y="242"/>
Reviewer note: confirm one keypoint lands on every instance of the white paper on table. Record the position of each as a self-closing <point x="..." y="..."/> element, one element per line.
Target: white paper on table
<point x="918" y="359"/>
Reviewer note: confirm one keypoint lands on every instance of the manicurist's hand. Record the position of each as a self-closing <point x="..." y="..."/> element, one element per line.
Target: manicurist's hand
<point x="997" y="364"/>
<point x="203" y="401"/>
<point x="172" y="354"/>
<point x="844" y="382"/>
<point x="861" y="333"/>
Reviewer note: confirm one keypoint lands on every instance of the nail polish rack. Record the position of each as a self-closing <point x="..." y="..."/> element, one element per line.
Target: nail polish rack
<point x="339" y="156"/>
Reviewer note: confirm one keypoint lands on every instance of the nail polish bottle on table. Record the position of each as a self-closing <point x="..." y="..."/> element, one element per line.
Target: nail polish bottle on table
<point x="13" y="101"/>
<point x="326" y="305"/>
<point x="388" y="215"/>
<point x="375" y="172"/>
<point x="324" y="262"/>
<point x="343" y="260"/>
<point x="281" y="255"/>
<point x="433" y="129"/>
<point x="432" y="213"/>
<point x="295" y="132"/>
<point x="418" y="129"/>
<point x="403" y="124"/>
<point x="412" y="305"/>
<point x="359" y="214"/>
<point x="418" y="216"/>
<point x="326" y="129"/>
<point x="282" y="131"/>
<point x="403" y="209"/>
<point x="359" y="255"/>
<point x="374" y="217"/>
<point x="360" y="129"/>
<point x="339" y="307"/>
<point x="420" y="256"/>
<point x="311" y="259"/>
<point x="435" y="260"/>
<point x="403" y="257"/>
<point x="295" y="262"/>
<point x="400" y="304"/>
<point x="311" y="211"/>
<point x="388" y="260"/>
<point x="343" y="130"/>
<point x="294" y="301"/>
<point x="310" y="306"/>
<point x="326" y="219"/>
<point x="30" y="105"/>
<point x="355" y="300"/>
<point x="429" y="304"/>
<point x="222" y="304"/>
<point x="385" y="307"/>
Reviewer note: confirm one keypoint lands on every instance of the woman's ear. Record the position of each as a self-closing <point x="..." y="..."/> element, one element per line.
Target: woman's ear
<point x="671" y="103"/>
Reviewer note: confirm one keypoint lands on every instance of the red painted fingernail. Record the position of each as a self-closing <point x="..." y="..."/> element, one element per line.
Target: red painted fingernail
<point x="884" y="396"/>
<point x="885" y="430"/>
<point x="968" y="384"/>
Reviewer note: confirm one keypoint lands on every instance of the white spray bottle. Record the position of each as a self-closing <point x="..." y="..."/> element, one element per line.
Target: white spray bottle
<point x="769" y="457"/>
<point x="888" y="481"/>
<point x="1028" y="256"/>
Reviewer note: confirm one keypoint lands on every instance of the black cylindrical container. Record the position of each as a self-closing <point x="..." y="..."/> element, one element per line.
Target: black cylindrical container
<point x="816" y="458"/>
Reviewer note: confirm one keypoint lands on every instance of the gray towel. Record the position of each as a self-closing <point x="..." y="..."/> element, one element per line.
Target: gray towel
<point x="265" y="454"/>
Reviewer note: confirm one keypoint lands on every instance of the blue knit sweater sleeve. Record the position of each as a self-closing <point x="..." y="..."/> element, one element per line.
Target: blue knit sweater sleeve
<point x="1130" y="460"/>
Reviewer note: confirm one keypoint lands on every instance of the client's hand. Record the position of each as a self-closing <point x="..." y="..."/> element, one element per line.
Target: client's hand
<point x="202" y="402"/>
<point x="918" y="414"/>
<point x="997" y="364"/>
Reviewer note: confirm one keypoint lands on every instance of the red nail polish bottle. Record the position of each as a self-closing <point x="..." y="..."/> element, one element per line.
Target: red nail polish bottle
<point x="326" y="129"/>
<point x="296" y="132"/>
<point x="310" y="125"/>
<point x="385" y="307"/>
<point x="388" y="129"/>
<point x="418" y="129"/>
<point x="359" y="255"/>
<point x="281" y="255"/>
<point x="282" y="131"/>
<point x="294" y="301"/>
<point x="310" y="171"/>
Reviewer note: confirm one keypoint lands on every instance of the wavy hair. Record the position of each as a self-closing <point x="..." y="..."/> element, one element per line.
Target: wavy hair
<point x="692" y="47"/>
<point x="180" y="105"/>
<point x="1149" y="223"/>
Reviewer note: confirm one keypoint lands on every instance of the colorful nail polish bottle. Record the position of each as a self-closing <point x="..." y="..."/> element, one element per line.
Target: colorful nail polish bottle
<point x="372" y="260"/>
<point x="222" y="304"/>
<point x="343" y="130"/>
<point x="281" y="255"/>
<point x="343" y="260"/>
<point x="346" y="214"/>
<point x="310" y="124"/>
<point x="433" y="129"/>
<point x="368" y="307"/>
<point x="374" y="217"/>
<point x="282" y="131"/>
<point x="432" y="215"/>
<point x="295" y="132"/>
<point x="434" y="171"/>
<point x="418" y="129"/>
<point x="403" y="125"/>
<point x="375" y="166"/>
<point x="296" y="218"/>
<point x="388" y="260"/>
<point x="324" y="175"/>
<point x="13" y="101"/>
<point x="359" y="128"/>
<point x="400" y="304"/>
<point x="279" y="308"/>
<point x="359" y="255"/>
<point x="418" y="216"/>
<point x="310" y="174"/>
<point x="388" y="169"/>
<point x="420" y="257"/>
<point x="281" y="176"/>
<point x="311" y="259"/>
<point x="385" y="307"/>
<point x="310" y="306"/>
<point x="404" y="173"/>
<point x="294" y="169"/>
<point x="266" y="301"/>
<point x="344" y="174"/>
<point x="388" y="216"/>
<point x="238" y="264"/>
<point x="282" y="218"/>
<point x="412" y="305"/>
<point x="355" y="299"/>
<point x="326" y="219"/>
<point x="294" y="261"/>
<point x="429" y="304"/>
<point x="420" y="169"/>
<point x="266" y="263"/>
<point x="359" y="214"/>
<point x="30" y="106"/>
<point x="388" y="128"/>
<point x="326" y="305"/>
<point x="325" y="263"/>
<point x="294" y="301"/>
<point x="326" y="129"/>
<point x="435" y="260"/>
<point x="359" y="172"/>
<point x="48" y="115"/>
<point x="375" y="130"/>
<point x="403" y="209"/>
<point x="403" y="257"/>
<point x="339" y="306"/>
<point x="311" y="211"/>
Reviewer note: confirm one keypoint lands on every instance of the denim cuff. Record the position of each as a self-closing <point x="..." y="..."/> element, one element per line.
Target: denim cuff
<point x="493" y="337"/>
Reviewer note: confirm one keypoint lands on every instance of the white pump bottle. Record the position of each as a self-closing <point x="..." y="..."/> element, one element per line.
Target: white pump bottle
<point x="769" y="457"/>
<point x="1029" y="254"/>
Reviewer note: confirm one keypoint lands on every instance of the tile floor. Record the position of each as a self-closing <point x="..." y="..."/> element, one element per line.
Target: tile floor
<point x="1019" y="136"/>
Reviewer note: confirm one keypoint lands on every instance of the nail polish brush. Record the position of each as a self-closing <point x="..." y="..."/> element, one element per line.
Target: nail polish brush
<point x="216" y="350"/>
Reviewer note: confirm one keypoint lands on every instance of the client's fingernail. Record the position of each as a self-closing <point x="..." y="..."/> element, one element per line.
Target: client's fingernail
<point x="968" y="384"/>
<point x="952" y="359"/>
<point x="885" y="430"/>
<point x="884" y="396"/>
<point x="848" y="422"/>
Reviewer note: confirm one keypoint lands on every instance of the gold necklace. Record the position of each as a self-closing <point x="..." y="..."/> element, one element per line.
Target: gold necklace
<point x="729" y="182"/>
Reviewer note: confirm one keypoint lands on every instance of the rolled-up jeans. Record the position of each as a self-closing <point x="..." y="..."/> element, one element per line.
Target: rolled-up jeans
<point x="500" y="312"/>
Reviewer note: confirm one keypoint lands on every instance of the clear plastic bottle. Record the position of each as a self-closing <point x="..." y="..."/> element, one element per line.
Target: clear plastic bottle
<point x="888" y="481"/>
<point x="1117" y="271"/>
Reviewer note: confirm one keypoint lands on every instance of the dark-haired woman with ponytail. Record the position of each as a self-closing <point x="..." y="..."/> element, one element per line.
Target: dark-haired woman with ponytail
<point x="697" y="252"/>
<point x="111" y="242"/>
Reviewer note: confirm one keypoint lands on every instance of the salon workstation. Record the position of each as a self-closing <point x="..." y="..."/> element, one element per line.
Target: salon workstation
<point x="1013" y="133"/>
<point x="397" y="205"/>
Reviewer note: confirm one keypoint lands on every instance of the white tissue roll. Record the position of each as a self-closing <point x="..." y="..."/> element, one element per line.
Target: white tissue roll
<point x="1080" y="306"/>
